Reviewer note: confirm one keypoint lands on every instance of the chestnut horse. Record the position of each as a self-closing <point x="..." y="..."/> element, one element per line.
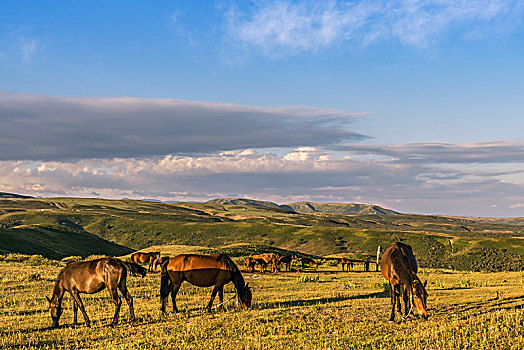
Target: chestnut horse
<point x="268" y="258"/>
<point x="202" y="271"/>
<point x="145" y="258"/>
<point x="252" y="262"/>
<point x="399" y="267"/>
<point x="92" y="277"/>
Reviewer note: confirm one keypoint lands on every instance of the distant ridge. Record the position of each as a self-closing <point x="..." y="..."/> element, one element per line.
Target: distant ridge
<point x="338" y="208"/>
<point x="13" y="195"/>
<point x="309" y="207"/>
<point x="245" y="201"/>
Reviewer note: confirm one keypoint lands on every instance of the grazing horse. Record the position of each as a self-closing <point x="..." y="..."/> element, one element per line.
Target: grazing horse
<point x="251" y="262"/>
<point x="308" y="261"/>
<point x="347" y="262"/>
<point x="399" y="266"/>
<point x="287" y="260"/>
<point x="92" y="277"/>
<point x="202" y="271"/>
<point x="145" y="258"/>
<point x="160" y="261"/>
<point x="269" y="258"/>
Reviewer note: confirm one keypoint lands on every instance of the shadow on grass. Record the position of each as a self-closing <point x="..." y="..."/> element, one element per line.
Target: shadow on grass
<point x="320" y="301"/>
<point x="483" y="307"/>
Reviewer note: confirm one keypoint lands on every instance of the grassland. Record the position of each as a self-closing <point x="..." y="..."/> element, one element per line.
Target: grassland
<point x="60" y="227"/>
<point x="339" y="310"/>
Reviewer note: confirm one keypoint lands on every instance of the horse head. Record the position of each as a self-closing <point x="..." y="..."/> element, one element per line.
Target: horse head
<point x="55" y="308"/>
<point x="419" y="297"/>
<point x="246" y="296"/>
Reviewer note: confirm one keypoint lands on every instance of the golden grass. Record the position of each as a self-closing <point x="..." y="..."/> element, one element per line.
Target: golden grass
<point x="342" y="310"/>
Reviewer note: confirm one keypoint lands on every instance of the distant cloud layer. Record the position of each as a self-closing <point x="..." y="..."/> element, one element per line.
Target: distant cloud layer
<point x="413" y="179"/>
<point x="283" y="27"/>
<point x="37" y="127"/>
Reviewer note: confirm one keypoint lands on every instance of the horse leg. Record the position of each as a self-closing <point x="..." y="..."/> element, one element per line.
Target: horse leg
<point x="129" y="299"/>
<point x="393" y="299"/>
<point x="221" y="297"/>
<point x="75" y="311"/>
<point x="112" y="289"/>
<point x="397" y="293"/>
<point x="174" y="292"/>
<point x="213" y="295"/>
<point x="407" y="302"/>
<point x="78" y="302"/>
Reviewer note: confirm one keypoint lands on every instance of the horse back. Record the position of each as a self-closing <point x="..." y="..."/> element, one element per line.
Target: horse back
<point x="398" y="258"/>
<point x="188" y="262"/>
<point x="89" y="276"/>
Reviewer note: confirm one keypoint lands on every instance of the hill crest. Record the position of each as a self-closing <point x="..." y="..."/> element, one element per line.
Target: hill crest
<point x="309" y="207"/>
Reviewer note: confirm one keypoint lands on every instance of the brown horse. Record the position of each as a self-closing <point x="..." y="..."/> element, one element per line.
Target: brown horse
<point x="145" y="258"/>
<point x="159" y="261"/>
<point x="92" y="277"/>
<point x="308" y="261"/>
<point x="347" y="262"/>
<point x="268" y="258"/>
<point x="252" y="262"/>
<point x="399" y="267"/>
<point x="202" y="271"/>
<point x="287" y="260"/>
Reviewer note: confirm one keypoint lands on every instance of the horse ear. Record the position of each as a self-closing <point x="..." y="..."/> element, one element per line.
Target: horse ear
<point x="49" y="300"/>
<point x="425" y="283"/>
<point x="247" y="285"/>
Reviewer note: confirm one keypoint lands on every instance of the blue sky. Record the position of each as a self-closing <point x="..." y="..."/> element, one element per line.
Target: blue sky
<point x="414" y="105"/>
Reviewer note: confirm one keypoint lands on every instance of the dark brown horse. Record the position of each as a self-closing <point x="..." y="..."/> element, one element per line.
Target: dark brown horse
<point x="287" y="260"/>
<point x="252" y="262"/>
<point x="145" y="258"/>
<point x="347" y="262"/>
<point x="202" y="271"/>
<point x="92" y="277"/>
<point x="159" y="261"/>
<point x="309" y="262"/>
<point x="399" y="267"/>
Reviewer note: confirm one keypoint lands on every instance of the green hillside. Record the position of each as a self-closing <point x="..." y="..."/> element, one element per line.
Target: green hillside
<point x="57" y="227"/>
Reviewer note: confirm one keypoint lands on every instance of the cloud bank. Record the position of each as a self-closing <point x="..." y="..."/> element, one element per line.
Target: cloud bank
<point x="425" y="184"/>
<point x="37" y="127"/>
<point x="288" y="27"/>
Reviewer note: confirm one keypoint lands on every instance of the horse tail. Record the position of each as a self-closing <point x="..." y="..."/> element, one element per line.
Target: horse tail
<point x="165" y="282"/>
<point x="135" y="269"/>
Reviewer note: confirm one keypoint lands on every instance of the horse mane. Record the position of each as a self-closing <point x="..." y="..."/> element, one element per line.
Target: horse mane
<point x="238" y="279"/>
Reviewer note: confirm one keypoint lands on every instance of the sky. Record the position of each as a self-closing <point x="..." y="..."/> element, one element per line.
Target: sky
<point x="414" y="105"/>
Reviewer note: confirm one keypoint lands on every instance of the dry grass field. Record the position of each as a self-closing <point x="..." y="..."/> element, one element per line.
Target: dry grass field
<point x="336" y="310"/>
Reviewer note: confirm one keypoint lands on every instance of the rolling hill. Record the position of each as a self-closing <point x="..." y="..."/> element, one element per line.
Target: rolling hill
<point x="309" y="207"/>
<point x="54" y="227"/>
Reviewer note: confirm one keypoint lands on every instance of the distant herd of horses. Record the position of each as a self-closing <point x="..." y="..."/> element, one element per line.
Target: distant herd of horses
<point x="398" y="266"/>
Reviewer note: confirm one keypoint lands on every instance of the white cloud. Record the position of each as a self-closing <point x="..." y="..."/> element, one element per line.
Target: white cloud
<point x="284" y="27"/>
<point x="29" y="48"/>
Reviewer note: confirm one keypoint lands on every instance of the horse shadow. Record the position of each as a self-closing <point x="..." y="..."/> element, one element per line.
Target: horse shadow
<point x="320" y="301"/>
